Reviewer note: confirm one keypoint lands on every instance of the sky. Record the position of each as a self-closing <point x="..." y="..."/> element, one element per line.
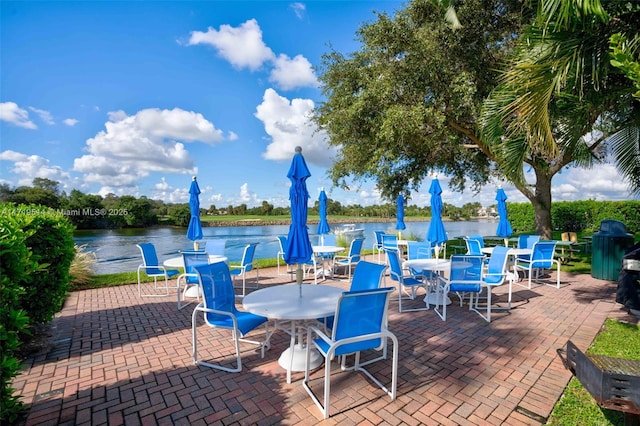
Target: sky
<point x="136" y="97"/>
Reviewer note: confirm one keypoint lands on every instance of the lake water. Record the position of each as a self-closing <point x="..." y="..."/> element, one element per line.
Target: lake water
<point x="116" y="249"/>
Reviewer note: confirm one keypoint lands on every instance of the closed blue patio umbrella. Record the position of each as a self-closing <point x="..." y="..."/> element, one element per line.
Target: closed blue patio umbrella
<point x="323" y="225"/>
<point x="400" y="226"/>
<point x="194" y="230"/>
<point x="298" y="248"/>
<point x="504" y="229"/>
<point x="436" y="234"/>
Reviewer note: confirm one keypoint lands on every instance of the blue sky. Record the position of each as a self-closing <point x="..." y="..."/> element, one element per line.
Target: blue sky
<point x="137" y="97"/>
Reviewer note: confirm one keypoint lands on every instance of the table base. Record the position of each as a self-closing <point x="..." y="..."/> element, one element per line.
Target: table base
<point x="193" y="291"/>
<point x="299" y="354"/>
<point x="433" y="298"/>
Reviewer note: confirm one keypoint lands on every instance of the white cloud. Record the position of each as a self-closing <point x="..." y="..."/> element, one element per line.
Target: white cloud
<point x="600" y="183"/>
<point x="288" y="125"/>
<point x="299" y="9"/>
<point x="291" y="73"/>
<point x="44" y="115"/>
<point x="132" y="147"/>
<point x="245" y="194"/>
<point x="12" y="113"/>
<point x="242" y="46"/>
<point x="28" y="167"/>
<point x="70" y="122"/>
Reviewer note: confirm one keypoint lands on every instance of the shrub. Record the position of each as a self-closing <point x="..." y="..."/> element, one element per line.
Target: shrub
<point x="15" y="263"/>
<point x="51" y="243"/>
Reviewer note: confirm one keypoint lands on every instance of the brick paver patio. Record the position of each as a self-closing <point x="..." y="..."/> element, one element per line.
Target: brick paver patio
<point x="116" y="358"/>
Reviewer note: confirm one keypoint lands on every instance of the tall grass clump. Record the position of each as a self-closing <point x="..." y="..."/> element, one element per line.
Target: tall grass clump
<point x="82" y="266"/>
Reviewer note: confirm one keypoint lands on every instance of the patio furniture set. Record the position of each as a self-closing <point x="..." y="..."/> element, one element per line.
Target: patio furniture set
<point x="325" y="322"/>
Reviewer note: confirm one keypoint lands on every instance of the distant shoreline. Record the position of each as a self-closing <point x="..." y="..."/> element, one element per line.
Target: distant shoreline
<point x="263" y="222"/>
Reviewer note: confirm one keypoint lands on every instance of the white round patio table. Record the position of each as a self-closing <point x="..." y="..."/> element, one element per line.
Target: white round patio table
<point x="434" y="265"/>
<point x="296" y="303"/>
<point x="320" y="250"/>
<point x="178" y="262"/>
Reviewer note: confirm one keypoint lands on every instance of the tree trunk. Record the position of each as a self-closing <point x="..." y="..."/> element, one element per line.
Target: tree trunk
<point x="541" y="201"/>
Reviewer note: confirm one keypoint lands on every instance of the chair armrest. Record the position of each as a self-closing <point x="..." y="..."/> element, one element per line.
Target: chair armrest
<point x="201" y="308"/>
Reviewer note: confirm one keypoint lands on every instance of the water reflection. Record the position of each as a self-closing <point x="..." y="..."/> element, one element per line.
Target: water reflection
<point x="116" y="249"/>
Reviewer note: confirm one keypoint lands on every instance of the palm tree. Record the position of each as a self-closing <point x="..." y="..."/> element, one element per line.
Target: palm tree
<point x="561" y="101"/>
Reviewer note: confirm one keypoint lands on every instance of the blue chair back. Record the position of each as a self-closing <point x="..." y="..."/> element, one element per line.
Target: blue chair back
<point x="150" y="258"/>
<point x="355" y="250"/>
<point x="473" y="247"/>
<point x="215" y="247"/>
<point x="419" y="250"/>
<point x="191" y="260"/>
<point x="395" y="268"/>
<point x="478" y="238"/>
<point x="527" y="241"/>
<point x="466" y="273"/>
<point x="282" y="239"/>
<point x="367" y="276"/>
<point x="329" y="239"/>
<point x="378" y="238"/>
<point x="247" y="256"/>
<point x="217" y="292"/>
<point x="360" y="313"/>
<point x="497" y="265"/>
<point x="542" y="254"/>
<point x="389" y="242"/>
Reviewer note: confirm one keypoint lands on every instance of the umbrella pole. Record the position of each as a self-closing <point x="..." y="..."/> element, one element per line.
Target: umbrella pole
<point x="506" y="242"/>
<point x="299" y="277"/>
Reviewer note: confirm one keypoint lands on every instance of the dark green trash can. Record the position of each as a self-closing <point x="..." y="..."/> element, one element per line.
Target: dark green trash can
<point x="608" y="247"/>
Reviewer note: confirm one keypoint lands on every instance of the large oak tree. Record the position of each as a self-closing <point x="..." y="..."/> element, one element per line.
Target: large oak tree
<point x="410" y="102"/>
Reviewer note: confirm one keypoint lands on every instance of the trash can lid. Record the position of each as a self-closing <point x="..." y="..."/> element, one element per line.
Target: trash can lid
<point x="613" y="227"/>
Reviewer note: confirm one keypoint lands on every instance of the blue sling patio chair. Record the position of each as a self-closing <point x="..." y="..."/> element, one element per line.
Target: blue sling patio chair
<point x="360" y="325"/>
<point x="352" y="258"/>
<point x="465" y="277"/>
<point x="477" y="238"/>
<point x="405" y="281"/>
<point x="474" y="247"/>
<point x="215" y="247"/>
<point x="527" y="242"/>
<point x="377" y="243"/>
<point x="152" y="267"/>
<point x="246" y="264"/>
<point x="219" y="311"/>
<point x="420" y="250"/>
<point x="366" y="276"/>
<point x="542" y="258"/>
<point x="496" y="273"/>
<point x="191" y="288"/>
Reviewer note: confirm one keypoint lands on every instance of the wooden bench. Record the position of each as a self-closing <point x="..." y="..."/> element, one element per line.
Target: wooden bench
<point x="613" y="382"/>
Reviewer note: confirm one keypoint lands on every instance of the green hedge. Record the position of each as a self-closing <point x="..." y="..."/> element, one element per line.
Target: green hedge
<point x="36" y="250"/>
<point x="577" y="216"/>
<point x="15" y="263"/>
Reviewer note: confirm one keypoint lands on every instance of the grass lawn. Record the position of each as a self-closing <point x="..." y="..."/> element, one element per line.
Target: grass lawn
<point x="577" y="406"/>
